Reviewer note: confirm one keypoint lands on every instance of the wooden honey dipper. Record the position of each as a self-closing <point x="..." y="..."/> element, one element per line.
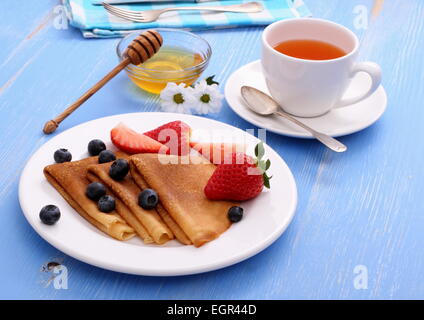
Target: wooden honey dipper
<point x="142" y="48"/>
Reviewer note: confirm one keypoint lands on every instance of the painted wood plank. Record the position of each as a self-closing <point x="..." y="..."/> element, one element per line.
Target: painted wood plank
<point x="358" y="208"/>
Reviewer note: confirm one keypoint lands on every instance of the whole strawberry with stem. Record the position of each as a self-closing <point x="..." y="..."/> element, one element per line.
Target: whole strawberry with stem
<point x="240" y="177"/>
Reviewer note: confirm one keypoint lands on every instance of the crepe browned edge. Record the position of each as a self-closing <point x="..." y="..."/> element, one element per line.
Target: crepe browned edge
<point x="127" y="215"/>
<point x="127" y="191"/>
<point x="178" y="232"/>
<point x="180" y="188"/>
<point x="69" y="179"/>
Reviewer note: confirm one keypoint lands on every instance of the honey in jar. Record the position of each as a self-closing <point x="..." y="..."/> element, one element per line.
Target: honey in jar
<point x="170" y="64"/>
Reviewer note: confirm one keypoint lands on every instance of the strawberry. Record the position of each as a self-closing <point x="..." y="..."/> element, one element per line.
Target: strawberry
<point x="175" y="135"/>
<point x="216" y="152"/>
<point x="133" y="142"/>
<point x="240" y="177"/>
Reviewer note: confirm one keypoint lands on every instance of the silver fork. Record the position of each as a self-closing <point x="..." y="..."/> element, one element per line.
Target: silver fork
<point x="152" y="15"/>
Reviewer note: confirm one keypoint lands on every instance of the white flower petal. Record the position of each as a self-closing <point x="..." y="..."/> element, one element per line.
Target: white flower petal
<point x="215" y="98"/>
<point x="167" y="96"/>
<point x="201" y="85"/>
<point x="169" y="91"/>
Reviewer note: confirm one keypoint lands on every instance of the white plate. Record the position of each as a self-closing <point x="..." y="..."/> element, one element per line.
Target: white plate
<point x="265" y="219"/>
<point x="337" y="122"/>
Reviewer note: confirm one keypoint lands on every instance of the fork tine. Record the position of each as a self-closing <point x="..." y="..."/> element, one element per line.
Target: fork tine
<point x="107" y="6"/>
<point x="125" y="17"/>
<point x="138" y="18"/>
<point x="119" y="15"/>
<point x="120" y="9"/>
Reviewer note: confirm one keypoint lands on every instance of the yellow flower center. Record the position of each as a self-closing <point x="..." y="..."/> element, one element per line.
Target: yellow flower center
<point x="178" y="98"/>
<point x="205" y="98"/>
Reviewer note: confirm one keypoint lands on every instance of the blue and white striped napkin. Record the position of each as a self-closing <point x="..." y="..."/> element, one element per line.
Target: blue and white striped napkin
<point x="96" y="22"/>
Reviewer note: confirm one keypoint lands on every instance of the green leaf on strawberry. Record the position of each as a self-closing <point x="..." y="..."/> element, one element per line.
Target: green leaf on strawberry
<point x="266" y="181"/>
<point x="210" y="81"/>
<point x="259" y="150"/>
<point x="263" y="165"/>
<point x="267" y="164"/>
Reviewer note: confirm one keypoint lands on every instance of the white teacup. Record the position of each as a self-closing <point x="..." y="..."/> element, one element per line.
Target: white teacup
<point x="310" y="88"/>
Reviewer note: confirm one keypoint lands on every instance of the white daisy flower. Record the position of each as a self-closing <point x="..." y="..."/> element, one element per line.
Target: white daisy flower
<point x="176" y="98"/>
<point x="207" y="98"/>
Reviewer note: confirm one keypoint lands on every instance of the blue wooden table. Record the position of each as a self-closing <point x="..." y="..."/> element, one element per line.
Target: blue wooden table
<point x="358" y="232"/>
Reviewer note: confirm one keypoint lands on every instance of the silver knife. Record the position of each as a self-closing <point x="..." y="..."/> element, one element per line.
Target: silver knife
<point x="99" y="2"/>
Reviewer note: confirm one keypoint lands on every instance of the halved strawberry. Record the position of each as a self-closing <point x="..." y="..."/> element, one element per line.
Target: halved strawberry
<point x="175" y="135"/>
<point x="216" y="152"/>
<point x="133" y="142"/>
<point x="239" y="178"/>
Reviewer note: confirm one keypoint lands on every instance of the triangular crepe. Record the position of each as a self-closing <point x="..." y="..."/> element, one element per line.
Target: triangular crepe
<point x="70" y="180"/>
<point x="127" y="192"/>
<point x="170" y="222"/>
<point x="180" y="189"/>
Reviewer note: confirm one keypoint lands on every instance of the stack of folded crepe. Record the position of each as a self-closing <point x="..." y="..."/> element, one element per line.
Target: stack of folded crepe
<point x="70" y="180"/>
<point x="183" y="212"/>
<point x="180" y="185"/>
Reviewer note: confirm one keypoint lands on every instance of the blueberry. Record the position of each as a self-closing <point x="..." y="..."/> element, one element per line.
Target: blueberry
<point x="119" y="169"/>
<point x="50" y="214"/>
<point x="106" y="156"/>
<point x="62" y="155"/>
<point x="106" y="204"/>
<point x="148" y="199"/>
<point x="95" y="147"/>
<point x="95" y="190"/>
<point x="235" y="214"/>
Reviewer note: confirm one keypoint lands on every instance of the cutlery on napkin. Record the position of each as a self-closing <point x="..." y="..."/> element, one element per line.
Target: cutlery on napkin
<point x="99" y="2"/>
<point x="95" y="22"/>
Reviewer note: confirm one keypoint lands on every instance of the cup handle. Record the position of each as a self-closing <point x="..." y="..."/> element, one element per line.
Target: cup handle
<point x="374" y="72"/>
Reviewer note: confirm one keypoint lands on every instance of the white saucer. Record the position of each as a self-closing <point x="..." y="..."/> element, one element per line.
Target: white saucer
<point x="337" y="122"/>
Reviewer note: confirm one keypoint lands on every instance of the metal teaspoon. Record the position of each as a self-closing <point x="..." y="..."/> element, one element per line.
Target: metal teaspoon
<point x="261" y="103"/>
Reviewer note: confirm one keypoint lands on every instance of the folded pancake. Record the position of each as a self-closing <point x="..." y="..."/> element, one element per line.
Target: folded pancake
<point x="170" y="222"/>
<point x="180" y="189"/>
<point x="70" y="180"/>
<point x="150" y="224"/>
